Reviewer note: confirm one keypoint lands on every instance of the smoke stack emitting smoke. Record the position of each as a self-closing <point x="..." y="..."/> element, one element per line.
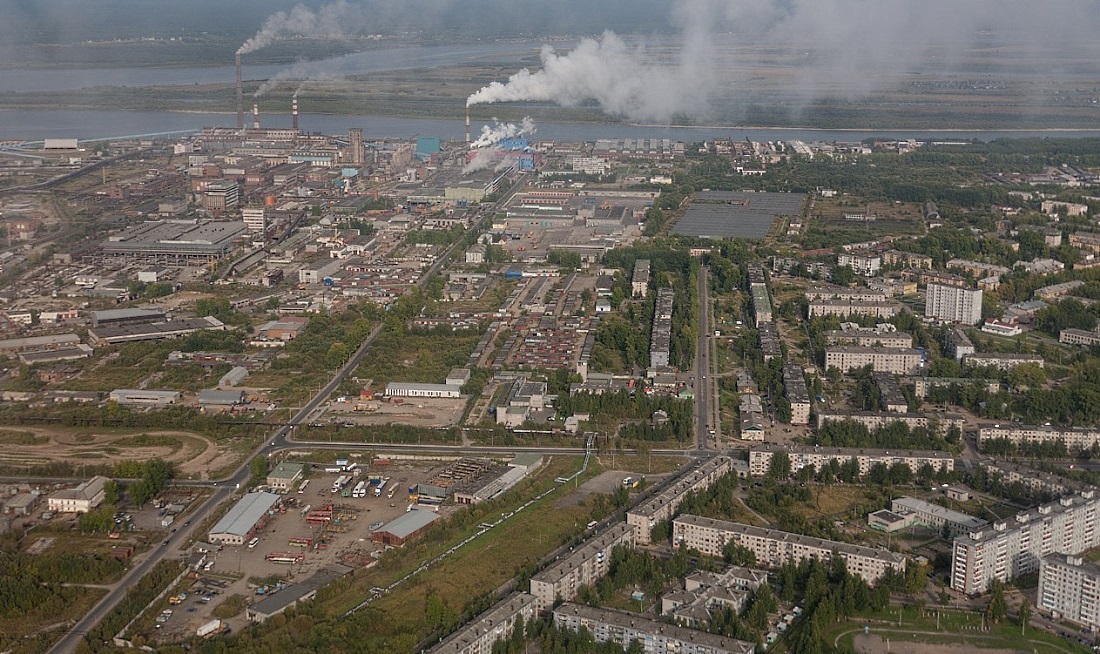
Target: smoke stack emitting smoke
<point x="294" y="111"/>
<point x="240" y="94"/>
<point x="486" y="153"/>
<point x="255" y="115"/>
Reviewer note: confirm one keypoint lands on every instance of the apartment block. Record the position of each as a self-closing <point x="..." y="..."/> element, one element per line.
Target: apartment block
<point x="1014" y="547"/>
<point x="906" y="259"/>
<point x="1002" y="360"/>
<point x="977" y="268"/>
<point x="639" y="282"/>
<point x="761" y="303"/>
<point x="1069" y="589"/>
<point x="584" y="566"/>
<point x="655" y="637"/>
<point x="865" y="263"/>
<point x="663" y="505"/>
<point x="844" y="293"/>
<point x="868" y="338"/>
<point x="1075" y="438"/>
<point x="661" y="339"/>
<point x="893" y="400"/>
<point x="852" y="308"/>
<point x="894" y="360"/>
<point x="797" y="393"/>
<point x="953" y="304"/>
<point x="478" y="637"/>
<point x="773" y="547"/>
<point x="801" y="456"/>
<point x="958" y="344"/>
<point x="1032" y="479"/>
<point x="1079" y="337"/>
<point x="878" y="419"/>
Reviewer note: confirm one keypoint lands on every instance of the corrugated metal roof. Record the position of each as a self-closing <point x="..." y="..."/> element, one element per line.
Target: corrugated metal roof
<point x="410" y="523"/>
<point x="245" y="514"/>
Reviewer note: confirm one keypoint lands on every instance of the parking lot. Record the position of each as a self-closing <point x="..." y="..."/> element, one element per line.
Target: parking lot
<point x="243" y="570"/>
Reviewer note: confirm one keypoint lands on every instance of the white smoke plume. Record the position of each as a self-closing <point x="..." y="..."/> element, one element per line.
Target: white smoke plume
<point x="615" y="75"/>
<point x="332" y="21"/>
<point x="498" y="131"/>
<point x="820" y="48"/>
<point x="486" y="158"/>
<point x="301" y="72"/>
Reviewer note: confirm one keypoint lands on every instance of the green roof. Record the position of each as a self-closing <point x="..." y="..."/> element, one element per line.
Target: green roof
<point x="286" y="470"/>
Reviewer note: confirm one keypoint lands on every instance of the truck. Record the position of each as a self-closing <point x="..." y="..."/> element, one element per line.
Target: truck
<point x="212" y="627"/>
<point x="360" y="489"/>
<point x="378" y="491"/>
<point x="167" y="520"/>
<point x="339" y="484"/>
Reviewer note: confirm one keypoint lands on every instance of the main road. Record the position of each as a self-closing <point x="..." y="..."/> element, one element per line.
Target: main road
<point x="704" y="397"/>
<point x="225" y="488"/>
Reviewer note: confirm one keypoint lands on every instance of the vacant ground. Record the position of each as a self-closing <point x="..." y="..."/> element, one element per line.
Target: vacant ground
<point x="874" y="644"/>
<point x="192" y="453"/>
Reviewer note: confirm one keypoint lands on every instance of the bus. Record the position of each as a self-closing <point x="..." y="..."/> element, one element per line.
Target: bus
<point x="360" y="489"/>
<point x="302" y="486"/>
<point x="253" y="543"/>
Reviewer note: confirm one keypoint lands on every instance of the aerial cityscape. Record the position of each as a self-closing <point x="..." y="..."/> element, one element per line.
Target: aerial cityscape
<point x="496" y="327"/>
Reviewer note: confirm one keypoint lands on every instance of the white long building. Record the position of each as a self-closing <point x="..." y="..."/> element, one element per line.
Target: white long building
<point x="1076" y="439"/>
<point x="895" y="360"/>
<point x="655" y="637"/>
<point x="584" y="566"/>
<point x="663" y="505"/>
<point x="497" y="623"/>
<point x="801" y="456"/>
<point x="773" y="547"/>
<point x="409" y="389"/>
<point x="1014" y="547"/>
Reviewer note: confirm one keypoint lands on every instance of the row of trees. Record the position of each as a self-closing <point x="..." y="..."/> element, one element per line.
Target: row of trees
<point x="849" y="433"/>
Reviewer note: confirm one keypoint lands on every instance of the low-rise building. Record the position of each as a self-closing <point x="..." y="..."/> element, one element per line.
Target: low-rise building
<point x="936" y="516"/>
<point x="852" y="308"/>
<point x="143" y="397"/>
<point x="773" y="548"/>
<point x="407" y="526"/>
<point x="872" y="420"/>
<point x="479" y="636"/>
<point x="411" y="389"/>
<point x="242" y="521"/>
<point x="1079" y="337"/>
<point x="285" y="475"/>
<point x="1002" y="360"/>
<point x="82" y="499"/>
<point x="1074" y="438"/>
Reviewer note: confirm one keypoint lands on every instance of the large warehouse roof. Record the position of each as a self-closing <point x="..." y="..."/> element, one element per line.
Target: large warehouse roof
<point x="410" y="523"/>
<point x="175" y="237"/>
<point x="725" y="214"/>
<point x="245" y="514"/>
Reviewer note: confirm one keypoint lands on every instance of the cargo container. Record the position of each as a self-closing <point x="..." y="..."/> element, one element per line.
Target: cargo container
<point x="209" y="628"/>
<point x="360" y="489"/>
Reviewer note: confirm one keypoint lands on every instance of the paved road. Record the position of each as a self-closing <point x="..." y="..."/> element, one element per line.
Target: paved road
<point x="703" y="395"/>
<point x="225" y="488"/>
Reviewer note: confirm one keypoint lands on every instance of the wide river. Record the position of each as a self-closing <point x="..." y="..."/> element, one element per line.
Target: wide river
<point x="88" y="125"/>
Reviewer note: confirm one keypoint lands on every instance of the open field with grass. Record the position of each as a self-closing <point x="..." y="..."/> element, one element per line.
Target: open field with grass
<point x="922" y="634"/>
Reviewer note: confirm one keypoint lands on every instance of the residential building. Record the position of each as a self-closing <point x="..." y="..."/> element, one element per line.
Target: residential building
<point x="958" y="344"/>
<point x="1069" y="589"/>
<point x="977" y="268"/>
<point x="852" y="334"/>
<point x="639" y="282"/>
<point x="898" y="361"/>
<point x="873" y="420"/>
<point x="662" y="506"/>
<point x="1014" y="547"/>
<point x="478" y="636"/>
<point x="852" y="308"/>
<point x="828" y="292"/>
<point x="661" y="339"/>
<point x="797" y="393"/>
<point x="1075" y="438"/>
<point x="801" y="456"/>
<point x="890" y="391"/>
<point x="82" y="499"/>
<point x="906" y="259"/>
<point x="773" y="548"/>
<point x="655" y="637"/>
<point x="476" y="253"/>
<point x="255" y="219"/>
<point x="1002" y="360"/>
<point x="953" y="304"/>
<point x="584" y="566"/>
<point x="865" y="263"/>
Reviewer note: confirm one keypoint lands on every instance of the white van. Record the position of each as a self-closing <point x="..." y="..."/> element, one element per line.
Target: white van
<point x="253" y="543"/>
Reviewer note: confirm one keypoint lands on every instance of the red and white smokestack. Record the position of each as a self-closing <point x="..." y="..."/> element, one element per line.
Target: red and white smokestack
<point x="294" y="112"/>
<point x="240" y="94"/>
<point x="467" y="125"/>
<point x="255" y="115"/>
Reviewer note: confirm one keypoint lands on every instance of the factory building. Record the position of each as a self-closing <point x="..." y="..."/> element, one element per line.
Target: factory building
<point x="284" y="476"/>
<point x="175" y="242"/>
<point x="399" y="531"/>
<point x="154" y="331"/>
<point x="410" y="389"/>
<point x="143" y="397"/>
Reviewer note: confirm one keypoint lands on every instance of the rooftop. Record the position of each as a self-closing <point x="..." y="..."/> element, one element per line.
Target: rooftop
<point x="410" y="523"/>
<point x="245" y="514"/>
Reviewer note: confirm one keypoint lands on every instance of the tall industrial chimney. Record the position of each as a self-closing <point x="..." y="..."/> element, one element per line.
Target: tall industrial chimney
<point x="240" y="95"/>
<point x="356" y="138"/>
<point x="467" y="125"/>
<point x="294" y="112"/>
<point x="255" y="115"/>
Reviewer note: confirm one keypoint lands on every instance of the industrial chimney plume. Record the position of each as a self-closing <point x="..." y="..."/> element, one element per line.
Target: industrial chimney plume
<point x="255" y="115"/>
<point x="294" y="112"/>
<point x="240" y="95"/>
<point x="467" y="126"/>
